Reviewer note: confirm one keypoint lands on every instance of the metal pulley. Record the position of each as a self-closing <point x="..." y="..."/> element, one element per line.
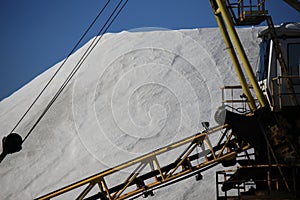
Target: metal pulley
<point x="11" y="144"/>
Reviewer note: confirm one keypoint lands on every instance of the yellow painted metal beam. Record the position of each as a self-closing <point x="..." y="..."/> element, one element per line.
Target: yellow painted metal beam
<point x="226" y="20"/>
<point x="235" y="61"/>
<point x="157" y="175"/>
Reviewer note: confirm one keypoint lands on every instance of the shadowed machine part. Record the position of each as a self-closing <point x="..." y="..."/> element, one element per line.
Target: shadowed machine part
<point x="260" y="182"/>
<point x="275" y="138"/>
<point x="246" y="128"/>
<point x="276" y="130"/>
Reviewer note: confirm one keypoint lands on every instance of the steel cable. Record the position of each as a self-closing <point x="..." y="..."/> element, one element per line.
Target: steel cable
<point x="60" y="67"/>
<point x="107" y="24"/>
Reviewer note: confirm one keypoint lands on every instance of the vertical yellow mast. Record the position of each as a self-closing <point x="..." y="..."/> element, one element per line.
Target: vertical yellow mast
<point x="226" y="25"/>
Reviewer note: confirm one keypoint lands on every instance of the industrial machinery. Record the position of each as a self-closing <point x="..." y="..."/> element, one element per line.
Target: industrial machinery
<point x="262" y="139"/>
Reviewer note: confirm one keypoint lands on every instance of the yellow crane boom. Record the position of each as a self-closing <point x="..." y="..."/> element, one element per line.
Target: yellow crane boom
<point x="145" y="173"/>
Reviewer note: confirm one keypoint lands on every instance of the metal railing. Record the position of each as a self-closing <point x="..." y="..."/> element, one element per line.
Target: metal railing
<point x="233" y="97"/>
<point x="280" y="95"/>
<point x="247" y="12"/>
<point x="267" y="184"/>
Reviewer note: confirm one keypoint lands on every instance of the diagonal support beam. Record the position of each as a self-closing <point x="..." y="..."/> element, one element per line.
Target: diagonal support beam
<point x="294" y="4"/>
<point x="144" y="180"/>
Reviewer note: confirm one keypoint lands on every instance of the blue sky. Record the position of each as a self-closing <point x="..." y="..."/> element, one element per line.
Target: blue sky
<point x="37" y="34"/>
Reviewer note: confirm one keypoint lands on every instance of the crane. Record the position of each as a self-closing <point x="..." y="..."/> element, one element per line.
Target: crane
<point x="271" y="127"/>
